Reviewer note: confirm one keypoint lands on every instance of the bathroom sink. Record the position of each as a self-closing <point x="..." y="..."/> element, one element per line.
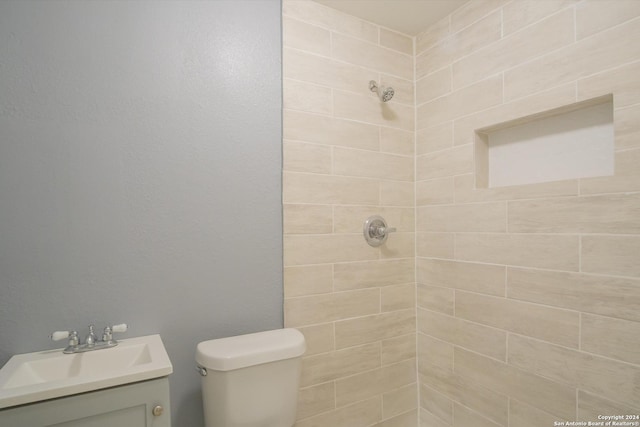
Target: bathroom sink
<point x="33" y="377"/>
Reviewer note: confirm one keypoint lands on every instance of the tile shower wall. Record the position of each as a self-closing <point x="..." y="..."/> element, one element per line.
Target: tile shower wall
<point x="528" y="296"/>
<point x="348" y="156"/>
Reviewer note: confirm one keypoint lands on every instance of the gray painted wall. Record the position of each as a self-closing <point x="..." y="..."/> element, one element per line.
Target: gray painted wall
<point x="140" y="174"/>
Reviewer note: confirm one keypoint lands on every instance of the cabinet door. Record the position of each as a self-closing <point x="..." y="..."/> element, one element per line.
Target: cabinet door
<point x="125" y="406"/>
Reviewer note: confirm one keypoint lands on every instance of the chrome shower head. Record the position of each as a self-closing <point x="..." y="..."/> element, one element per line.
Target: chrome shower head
<point x="384" y="93"/>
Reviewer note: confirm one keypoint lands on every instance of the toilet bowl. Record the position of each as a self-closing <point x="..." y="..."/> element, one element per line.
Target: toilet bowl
<point x="251" y="380"/>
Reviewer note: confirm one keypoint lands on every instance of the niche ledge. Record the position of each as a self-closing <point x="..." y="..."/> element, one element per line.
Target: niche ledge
<point x="570" y="142"/>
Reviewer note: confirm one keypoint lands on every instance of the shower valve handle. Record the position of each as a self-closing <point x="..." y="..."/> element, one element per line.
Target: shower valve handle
<point x="380" y="231"/>
<point x="375" y="230"/>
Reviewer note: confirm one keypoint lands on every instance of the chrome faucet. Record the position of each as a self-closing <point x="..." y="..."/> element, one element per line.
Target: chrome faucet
<point x="91" y="342"/>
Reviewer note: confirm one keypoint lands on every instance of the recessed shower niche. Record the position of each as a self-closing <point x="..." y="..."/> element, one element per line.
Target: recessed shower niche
<point x="573" y="141"/>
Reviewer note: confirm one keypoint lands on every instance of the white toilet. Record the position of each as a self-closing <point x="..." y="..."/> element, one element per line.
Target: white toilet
<point x="251" y="380"/>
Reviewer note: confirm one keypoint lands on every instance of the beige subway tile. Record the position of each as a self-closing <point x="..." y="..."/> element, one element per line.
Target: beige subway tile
<point x="396" y="193"/>
<point x="467" y="391"/>
<point x="332" y="19"/>
<point x="398" y="297"/>
<point x="302" y="249"/>
<point x="556" y="398"/>
<point x="622" y="82"/>
<point x="437" y="404"/>
<point x="350" y="219"/>
<point x="371" y="164"/>
<point x="433" y="85"/>
<point x="451" y="162"/>
<point x="434" y="352"/>
<point x="613" y="380"/>
<point x="369" y="109"/>
<point x="399" y="245"/>
<point x="610" y="214"/>
<point x="607" y="296"/>
<point x="372" y="328"/>
<point x="300" y="35"/>
<point x="325" y="189"/>
<point x="434" y="191"/>
<point x="310" y="68"/>
<point x="396" y="41"/>
<point x="521" y="13"/>
<point x="367" y="384"/>
<point x="318" y="338"/>
<point x="614" y="255"/>
<point x="627" y="127"/>
<point x="472" y="11"/>
<point x="301" y="157"/>
<point x="432" y="35"/>
<point x="324" y="308"/>
<point x="370" y="274"/>
<point x="611" y="337"/>
<point x="465" y="191"/>
<point x="556" y="252"/>
<point x="325" y="130"/>
<point x="396" y="141"/>
<point x="481" y="217"/>
<point x="464" y="417"/>
<point x="399" y="401"/>
<point x="306" y="97"/>
<point x="594" y="16"/>
<point x="626" y="178"/>
<point x="588" y="56"/>
<point x="355" y="303"/>
<point x="434" y="138"/>
<point x="483" y="32"/>
<point x="433" y="59"/>
<point x="409" y="418"/>
<point x="353" y="26"/>
<point x="550" y="324"/>
<point x="399" y="348"/>
<point x="316" y="400"/>
<point x="517" y="48"/>
<point x="307" y="280"/>
<point x="523" y="415"/>
<point x="479" y="338"/>
<point x="360" y="414"/>
<point x="436" y="299"/>
<point x="427" y="419"/>
<point x="520" y="110"/>
<point x="590" y="406"/>
<point x="461" y="102"/>
<point x="321" y="368"/>
<point x="435" y="245"/>
<point x="368" y="55"/>
<point x="307" y="219"/>
<point x="486" y="279"/>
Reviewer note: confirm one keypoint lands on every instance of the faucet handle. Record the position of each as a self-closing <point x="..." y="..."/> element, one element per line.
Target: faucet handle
<point x="107" y="335"/>
<point x="74" y="342"/>
<point x="122" y="327"/>
<point x="60" y="335"/>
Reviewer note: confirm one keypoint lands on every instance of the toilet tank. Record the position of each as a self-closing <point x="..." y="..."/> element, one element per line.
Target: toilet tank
<point x="251" y="380"/>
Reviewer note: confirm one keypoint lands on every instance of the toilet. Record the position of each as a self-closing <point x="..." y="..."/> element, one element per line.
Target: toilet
<point x="251" y="380"/>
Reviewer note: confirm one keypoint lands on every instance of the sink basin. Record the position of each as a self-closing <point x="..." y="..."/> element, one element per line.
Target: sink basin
<point x="33" y="377"/>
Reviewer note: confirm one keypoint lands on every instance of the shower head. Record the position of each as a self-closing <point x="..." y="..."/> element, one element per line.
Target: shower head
<point x="384" y="93"/>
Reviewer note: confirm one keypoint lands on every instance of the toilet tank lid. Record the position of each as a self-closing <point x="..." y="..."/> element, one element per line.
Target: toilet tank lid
<point x="226" y="354"/>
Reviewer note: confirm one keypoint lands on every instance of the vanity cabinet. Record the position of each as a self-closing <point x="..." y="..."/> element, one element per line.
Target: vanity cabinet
<point x="142" y="404"/>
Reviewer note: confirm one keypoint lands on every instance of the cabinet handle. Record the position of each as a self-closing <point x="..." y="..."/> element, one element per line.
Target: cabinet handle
<point x="157" y="410"/>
